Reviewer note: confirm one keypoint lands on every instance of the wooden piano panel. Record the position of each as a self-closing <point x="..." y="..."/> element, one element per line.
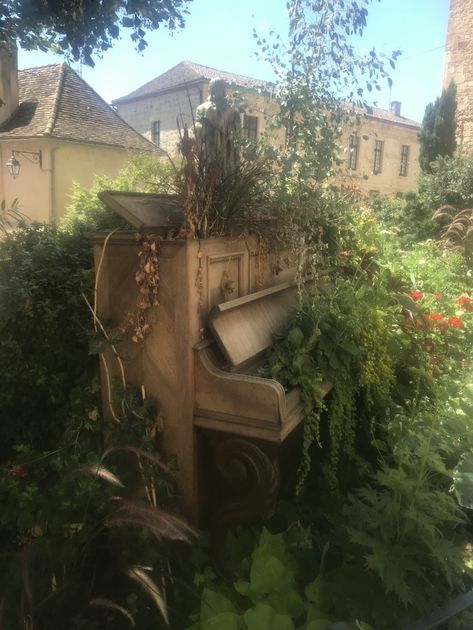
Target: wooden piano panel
<point x="245" y="327"/>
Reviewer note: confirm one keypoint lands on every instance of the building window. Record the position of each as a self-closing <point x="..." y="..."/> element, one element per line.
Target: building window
<point x="378" y="157"/>
<point x="353" y="149"/>
<point x="404" y="159"/>
<point x="156" y="132"/>
<point x="250" y="127"/>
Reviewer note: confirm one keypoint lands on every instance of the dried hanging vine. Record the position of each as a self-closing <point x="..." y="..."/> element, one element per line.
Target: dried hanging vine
<point x="147" y="279"/>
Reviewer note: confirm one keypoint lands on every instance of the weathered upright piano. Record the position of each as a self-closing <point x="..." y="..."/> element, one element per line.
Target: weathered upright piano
<point x="221" y="301"/>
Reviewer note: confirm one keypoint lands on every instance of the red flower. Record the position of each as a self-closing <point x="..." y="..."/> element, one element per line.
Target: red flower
<point x="465" y="302"/>
<point x="437" y="316"/>
<point x="18" y="471"/>
<point x="456" y="322"/>
<point x="437" y="295"/>
<point x="416" y="295"/>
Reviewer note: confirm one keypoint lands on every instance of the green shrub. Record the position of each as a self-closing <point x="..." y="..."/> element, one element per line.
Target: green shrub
<point x="143" y="173"/>
<point x="449" y="183"/>
<point x="398" y="531"/>
<point x="44" y="326"/>
<point x="409" y="218"/>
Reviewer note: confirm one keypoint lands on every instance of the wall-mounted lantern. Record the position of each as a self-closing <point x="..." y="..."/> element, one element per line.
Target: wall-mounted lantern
<point x="14" y="165"/>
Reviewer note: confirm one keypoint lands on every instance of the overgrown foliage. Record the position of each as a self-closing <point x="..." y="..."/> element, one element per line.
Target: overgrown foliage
<point x="437" y="135"/>
<point x="84" y="533"/>
<point x="81" y="29"/>
<point x="43" y="340"/>
<point x="448" y="183"/>
<point x="142" y="173"/>
<point x="319" y="70"/>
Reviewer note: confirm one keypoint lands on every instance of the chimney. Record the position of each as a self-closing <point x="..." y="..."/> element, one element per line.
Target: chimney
<point x="8" y="82"/>
<point x="396" y="108"/>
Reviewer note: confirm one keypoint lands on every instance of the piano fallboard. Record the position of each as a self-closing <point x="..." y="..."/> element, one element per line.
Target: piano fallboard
<point x="244" y="404"/>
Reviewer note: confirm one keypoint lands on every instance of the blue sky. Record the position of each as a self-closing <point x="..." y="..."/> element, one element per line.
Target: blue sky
<point x="218" y="33"/>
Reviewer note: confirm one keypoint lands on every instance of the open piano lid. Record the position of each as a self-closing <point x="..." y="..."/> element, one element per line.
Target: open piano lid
<point x="145" y="210"/>
<point x="245" y="327"/>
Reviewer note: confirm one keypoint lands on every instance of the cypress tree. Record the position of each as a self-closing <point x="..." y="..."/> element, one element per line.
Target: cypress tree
<point x="437" y="136"/>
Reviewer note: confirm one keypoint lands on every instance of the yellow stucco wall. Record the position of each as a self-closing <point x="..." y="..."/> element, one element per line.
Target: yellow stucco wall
<point x="32" y="187"/>
<point x="44" y="193"/>
<point x="80" y="163"/>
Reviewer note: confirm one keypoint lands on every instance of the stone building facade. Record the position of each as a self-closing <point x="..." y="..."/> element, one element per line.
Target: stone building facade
<point x="381" y="153"/>
<point x="459" y="68"/>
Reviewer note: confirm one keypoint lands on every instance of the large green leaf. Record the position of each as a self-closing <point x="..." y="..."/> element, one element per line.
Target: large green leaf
<point x="263" y="617"/>
<point x="214" y="604"/>
<point x="287" y="602"/>
<point x="317" y="593"/>
<point x="318" y="624"/>
<point x="267" y="574"/>
<point x="463" y="481"/>
<point x="223" y="621"/>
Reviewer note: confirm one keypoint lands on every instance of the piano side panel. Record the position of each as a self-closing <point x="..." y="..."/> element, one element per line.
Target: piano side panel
<point x="232" y="401"/>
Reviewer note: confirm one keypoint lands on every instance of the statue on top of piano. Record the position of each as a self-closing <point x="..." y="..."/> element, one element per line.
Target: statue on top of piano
<point x="218" y="128"/>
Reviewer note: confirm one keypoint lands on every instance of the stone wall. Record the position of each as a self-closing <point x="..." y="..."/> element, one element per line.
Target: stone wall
<point x="389" y="180"/>
<point x="459" y="67"/>
<point x="167" y="108"/>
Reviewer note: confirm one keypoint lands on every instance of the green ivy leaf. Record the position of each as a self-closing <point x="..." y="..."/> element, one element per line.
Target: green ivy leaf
<point x="214" y="604"/>
<point x="263" y="617"/>
<point x="267" y="574"/>
<point x="242" y="587"/>
<point x="318" y="624"/>
<point x="223" y="621"/>
<point x="287" y="602"/>
<point x="316" y="593"/>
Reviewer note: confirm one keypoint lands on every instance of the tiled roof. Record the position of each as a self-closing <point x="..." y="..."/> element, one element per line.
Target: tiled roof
<point x="56" y="102"/>
<point x="188" y="72"/>
<point x="387" y="115"/>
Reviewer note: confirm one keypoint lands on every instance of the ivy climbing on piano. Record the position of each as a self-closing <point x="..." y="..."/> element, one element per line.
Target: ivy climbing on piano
<point x="338" y="337"/>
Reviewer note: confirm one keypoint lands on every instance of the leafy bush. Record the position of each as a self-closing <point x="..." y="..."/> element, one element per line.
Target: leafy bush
<point x="143" y="173"/>
<point x="277" y="586"/>
<point x="399" y="529"/>
<point x="409" y="218"/>
<point x="79" y="547"/>
<point x="44" y="325"/>
<point x="449" y="183"/>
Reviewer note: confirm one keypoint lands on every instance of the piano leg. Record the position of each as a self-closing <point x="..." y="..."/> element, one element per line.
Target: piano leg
<point x="245" y="480"/>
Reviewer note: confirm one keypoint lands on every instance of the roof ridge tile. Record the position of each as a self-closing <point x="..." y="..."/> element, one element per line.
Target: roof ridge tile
<point x="52" y="119"/>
